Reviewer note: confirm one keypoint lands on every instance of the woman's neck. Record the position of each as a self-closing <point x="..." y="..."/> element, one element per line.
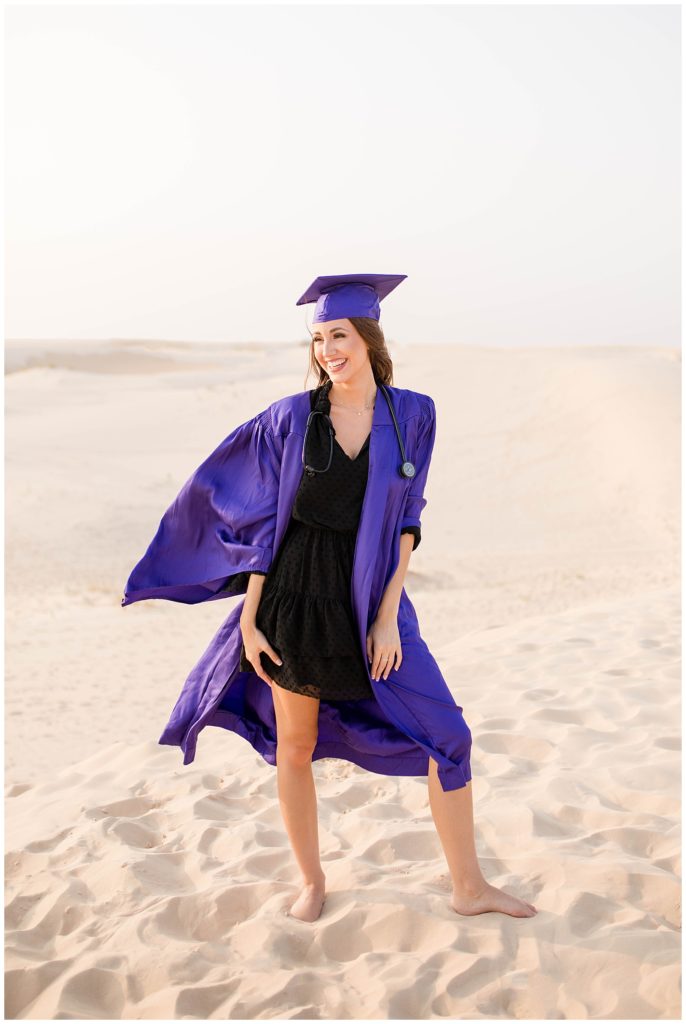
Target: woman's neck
<point x="353" y="395"/>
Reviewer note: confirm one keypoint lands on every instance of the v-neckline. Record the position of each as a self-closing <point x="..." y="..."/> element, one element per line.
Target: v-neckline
<point x="364" y="445"/>
<point x="324" y="394"/>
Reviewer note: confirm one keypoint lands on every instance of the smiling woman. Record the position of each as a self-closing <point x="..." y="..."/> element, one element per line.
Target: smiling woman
<point x="324" y="657"/>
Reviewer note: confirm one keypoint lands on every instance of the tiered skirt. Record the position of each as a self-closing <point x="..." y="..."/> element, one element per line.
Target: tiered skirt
<point x="306" y="614"/>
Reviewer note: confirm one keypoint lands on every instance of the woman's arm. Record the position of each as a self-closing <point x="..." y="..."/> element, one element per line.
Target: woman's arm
<point x="252" y="600"/>
<point x="390" y="602"/>
<point x="411" y="525"/>
<point x="254" y="640"/>
<point x="384" y="649"/>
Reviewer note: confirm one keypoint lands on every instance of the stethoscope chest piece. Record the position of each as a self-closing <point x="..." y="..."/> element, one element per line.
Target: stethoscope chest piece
<point x="407" y="470"/>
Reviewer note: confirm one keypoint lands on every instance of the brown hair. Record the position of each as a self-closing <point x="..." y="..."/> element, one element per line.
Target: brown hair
<point x="373" y="336"/>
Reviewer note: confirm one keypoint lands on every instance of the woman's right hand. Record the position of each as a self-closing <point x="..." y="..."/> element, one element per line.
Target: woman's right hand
<point x="255" y="642"/>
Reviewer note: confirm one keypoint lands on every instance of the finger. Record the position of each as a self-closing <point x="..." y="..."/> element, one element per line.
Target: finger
<point x="273" y="655"/>
<point x="390" y="664"/>
<point x="259" y="671"/>
<point x="378" y="662"/>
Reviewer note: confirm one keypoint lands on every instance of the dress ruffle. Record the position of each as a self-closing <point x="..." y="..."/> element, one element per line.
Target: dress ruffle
<point x="299" y="622"/>
<point x="341" y="676"/>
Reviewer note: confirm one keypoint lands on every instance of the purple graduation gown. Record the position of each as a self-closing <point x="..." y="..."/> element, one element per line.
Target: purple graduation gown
<point x="230" y="517"/>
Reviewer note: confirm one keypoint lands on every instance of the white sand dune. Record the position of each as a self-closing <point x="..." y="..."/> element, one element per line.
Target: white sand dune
<point x="547" y="585"/>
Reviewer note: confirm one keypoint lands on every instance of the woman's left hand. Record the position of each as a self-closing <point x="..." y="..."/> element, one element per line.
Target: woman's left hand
<point x="383" y="647"/>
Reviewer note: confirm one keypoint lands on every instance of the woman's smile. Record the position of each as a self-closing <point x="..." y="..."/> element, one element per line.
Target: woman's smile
<point x="336" y="365"/>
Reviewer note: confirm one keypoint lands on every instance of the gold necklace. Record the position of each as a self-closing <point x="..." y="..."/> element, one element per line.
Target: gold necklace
<point x="350" y="409"/>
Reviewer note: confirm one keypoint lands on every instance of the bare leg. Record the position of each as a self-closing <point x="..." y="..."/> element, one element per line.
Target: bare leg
<point x="296" y="728"/>
<point x="453" y="815"/>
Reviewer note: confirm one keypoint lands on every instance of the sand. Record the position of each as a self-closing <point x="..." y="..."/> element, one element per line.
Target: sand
<point x="547" y="586"/>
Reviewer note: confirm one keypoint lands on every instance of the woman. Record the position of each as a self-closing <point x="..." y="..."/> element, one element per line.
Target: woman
<point x="312" y="509"/>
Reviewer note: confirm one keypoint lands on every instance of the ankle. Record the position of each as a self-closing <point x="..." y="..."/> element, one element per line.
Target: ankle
<point x="469" y="886"/>
<point x="316" y="880"/>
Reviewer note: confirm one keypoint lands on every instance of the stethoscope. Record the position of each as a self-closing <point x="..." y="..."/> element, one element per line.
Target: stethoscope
<point x="407" y="469"/>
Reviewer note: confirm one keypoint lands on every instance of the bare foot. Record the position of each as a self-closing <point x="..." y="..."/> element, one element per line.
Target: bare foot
<point x="490" y="899"/>
<point x="309" y="903"/>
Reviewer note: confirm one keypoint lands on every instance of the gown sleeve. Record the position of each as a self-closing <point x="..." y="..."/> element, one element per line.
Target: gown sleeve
<point x="416" y="530"/>
<point x="415" y="501"/>
<point x="221" y="526"/>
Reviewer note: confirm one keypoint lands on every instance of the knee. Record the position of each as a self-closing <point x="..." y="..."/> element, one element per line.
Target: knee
<point x="295" y="750"/>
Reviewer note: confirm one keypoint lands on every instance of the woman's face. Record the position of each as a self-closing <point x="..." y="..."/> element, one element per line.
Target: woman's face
<point x="337" y="342"/>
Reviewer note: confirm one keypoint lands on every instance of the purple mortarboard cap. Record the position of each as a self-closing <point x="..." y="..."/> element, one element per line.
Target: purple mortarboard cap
<point x="346" y="295"/>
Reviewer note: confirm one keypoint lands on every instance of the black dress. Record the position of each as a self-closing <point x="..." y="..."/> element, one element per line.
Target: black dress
<point x="305" y="609"/>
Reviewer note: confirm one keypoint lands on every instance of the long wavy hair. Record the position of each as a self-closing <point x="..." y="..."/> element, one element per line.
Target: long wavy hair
<point x="373" y="336"/>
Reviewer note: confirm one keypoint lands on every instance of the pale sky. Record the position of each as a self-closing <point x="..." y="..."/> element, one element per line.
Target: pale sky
<point x="185" y="172"/>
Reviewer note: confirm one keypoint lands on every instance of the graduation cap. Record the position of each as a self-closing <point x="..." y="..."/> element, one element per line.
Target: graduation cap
<point x="346" y="295"/>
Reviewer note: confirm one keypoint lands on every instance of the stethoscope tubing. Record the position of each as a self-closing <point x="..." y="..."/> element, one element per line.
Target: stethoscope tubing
<point x="406" y="468"/>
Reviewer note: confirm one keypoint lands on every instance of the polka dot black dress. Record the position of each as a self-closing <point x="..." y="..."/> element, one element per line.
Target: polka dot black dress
<point x="305" y="609"/>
